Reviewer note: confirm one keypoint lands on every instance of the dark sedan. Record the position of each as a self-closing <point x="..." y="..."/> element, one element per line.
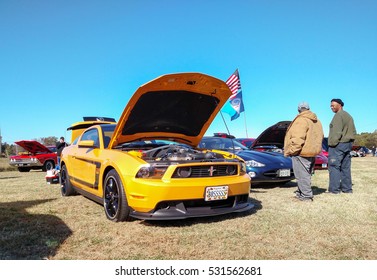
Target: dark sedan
<point x="262" y="167"/>
<point x="272" y="139"/>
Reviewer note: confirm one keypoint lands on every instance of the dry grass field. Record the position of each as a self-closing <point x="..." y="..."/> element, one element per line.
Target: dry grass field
<point x="37" y="223"/>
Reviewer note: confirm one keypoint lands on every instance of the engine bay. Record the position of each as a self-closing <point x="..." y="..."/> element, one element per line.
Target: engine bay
<point x="179" y="153"/>
<point x="171" y="153"/>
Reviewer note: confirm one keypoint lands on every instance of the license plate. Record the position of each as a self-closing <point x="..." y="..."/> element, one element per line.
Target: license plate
<point x="284" y="173"/>
<point x="216" y="193"/>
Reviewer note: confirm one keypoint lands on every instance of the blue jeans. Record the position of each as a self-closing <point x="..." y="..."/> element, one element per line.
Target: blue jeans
<point x="340" y="168"/>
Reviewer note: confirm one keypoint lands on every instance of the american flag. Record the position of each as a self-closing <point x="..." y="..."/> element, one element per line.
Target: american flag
<point x="234" y="83"/>
<point x="234" y="106"/>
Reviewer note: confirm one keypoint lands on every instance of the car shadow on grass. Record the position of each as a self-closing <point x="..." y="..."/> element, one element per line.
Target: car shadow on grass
<point x="205" y="220"/>
<point x="9" y="177"/>
<point x="264" y="187"/>
<point x="25" y="236"/>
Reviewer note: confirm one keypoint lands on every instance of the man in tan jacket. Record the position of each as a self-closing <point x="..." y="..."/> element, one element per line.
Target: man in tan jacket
<point x="303" y="141"/>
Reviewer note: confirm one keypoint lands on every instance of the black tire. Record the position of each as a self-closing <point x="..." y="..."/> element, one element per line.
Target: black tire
<point x="66" y="188"/>
<point x="114" y="198"/>
<point x="48" y="165"/>
<point x="24" y="169"/>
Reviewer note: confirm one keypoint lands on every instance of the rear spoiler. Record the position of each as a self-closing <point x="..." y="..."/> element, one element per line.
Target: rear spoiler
<point x="87" y="119"/>
<point x="79" y="127"/>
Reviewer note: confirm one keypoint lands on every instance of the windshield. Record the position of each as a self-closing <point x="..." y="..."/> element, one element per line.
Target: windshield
<point x="107" y="130"/>
<point x="219" y="143"/>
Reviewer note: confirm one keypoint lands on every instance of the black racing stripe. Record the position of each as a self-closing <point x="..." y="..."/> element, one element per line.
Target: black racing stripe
<point x="96" y="163"/>
<point x="97" y="173"/>
<point x="84" y="183"/>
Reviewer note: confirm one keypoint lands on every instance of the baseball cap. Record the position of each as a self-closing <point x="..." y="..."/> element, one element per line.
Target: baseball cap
<point x="303" y="105"/>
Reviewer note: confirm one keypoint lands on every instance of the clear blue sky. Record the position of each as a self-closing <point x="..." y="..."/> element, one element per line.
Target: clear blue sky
<point x="62" y="60"/>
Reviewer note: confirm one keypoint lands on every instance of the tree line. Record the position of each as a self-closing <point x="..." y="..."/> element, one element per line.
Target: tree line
<point x="368" y="140"/>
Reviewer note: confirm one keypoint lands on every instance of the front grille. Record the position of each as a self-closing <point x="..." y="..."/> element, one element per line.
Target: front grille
<point x="23" y="160"/>
<point x="206" y="171"/>
<point x="213" y="204"/>
<point x="198" y="203"/>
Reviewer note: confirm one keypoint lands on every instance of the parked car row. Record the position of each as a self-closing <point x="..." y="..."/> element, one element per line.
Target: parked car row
<point x="359" y="151"/>
<point x="159" y="166"/>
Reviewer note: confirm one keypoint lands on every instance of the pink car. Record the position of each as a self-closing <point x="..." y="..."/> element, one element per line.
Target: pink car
<point x="321" y="161"/>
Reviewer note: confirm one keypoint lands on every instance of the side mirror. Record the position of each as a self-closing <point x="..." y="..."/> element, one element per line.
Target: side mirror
<point x="86" y="144"/>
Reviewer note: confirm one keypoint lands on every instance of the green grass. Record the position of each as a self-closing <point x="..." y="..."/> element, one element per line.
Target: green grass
<point x="37" y="223"/>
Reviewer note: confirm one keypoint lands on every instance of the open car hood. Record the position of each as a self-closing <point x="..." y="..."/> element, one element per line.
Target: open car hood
<point x="33" y="146"/>
<point x="177" y="107"/>
<point x="274" y="135"/>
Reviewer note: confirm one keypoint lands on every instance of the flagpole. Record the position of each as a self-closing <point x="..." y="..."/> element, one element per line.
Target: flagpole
<point x="244" y="111"/>
<point x="244" y="114"/>
<point x="226" y="126"/>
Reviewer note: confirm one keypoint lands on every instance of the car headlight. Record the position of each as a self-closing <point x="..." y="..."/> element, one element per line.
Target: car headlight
<point x="254" y="163"/>
<point x="151" y="171"/>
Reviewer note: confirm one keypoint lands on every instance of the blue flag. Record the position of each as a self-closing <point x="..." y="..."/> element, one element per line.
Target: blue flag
<point x="234" y="106"/>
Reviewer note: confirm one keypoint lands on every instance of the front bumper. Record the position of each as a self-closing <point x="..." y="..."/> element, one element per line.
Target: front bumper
<point x="26" y="163"/>
<point x="175" y="210"/>
<point x="269" y="176"/>
<point x="185" y="198"/>
<point x="322" y="166"/>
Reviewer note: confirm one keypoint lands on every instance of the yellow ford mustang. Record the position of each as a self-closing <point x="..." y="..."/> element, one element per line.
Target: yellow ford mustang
<point x="147" y="165"/>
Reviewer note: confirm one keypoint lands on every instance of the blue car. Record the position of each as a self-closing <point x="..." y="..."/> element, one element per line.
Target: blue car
<point x="262" y="167"/>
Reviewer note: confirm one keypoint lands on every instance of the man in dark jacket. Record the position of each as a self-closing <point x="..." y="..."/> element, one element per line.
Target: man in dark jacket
<point x="341" y="136"/>
<point x="59" y="148"/>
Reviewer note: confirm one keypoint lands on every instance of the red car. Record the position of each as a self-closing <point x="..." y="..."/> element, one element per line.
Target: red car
<point x="37" y="156"/>
<point x="246" y="141"/>
<point x="321" y="161"/>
